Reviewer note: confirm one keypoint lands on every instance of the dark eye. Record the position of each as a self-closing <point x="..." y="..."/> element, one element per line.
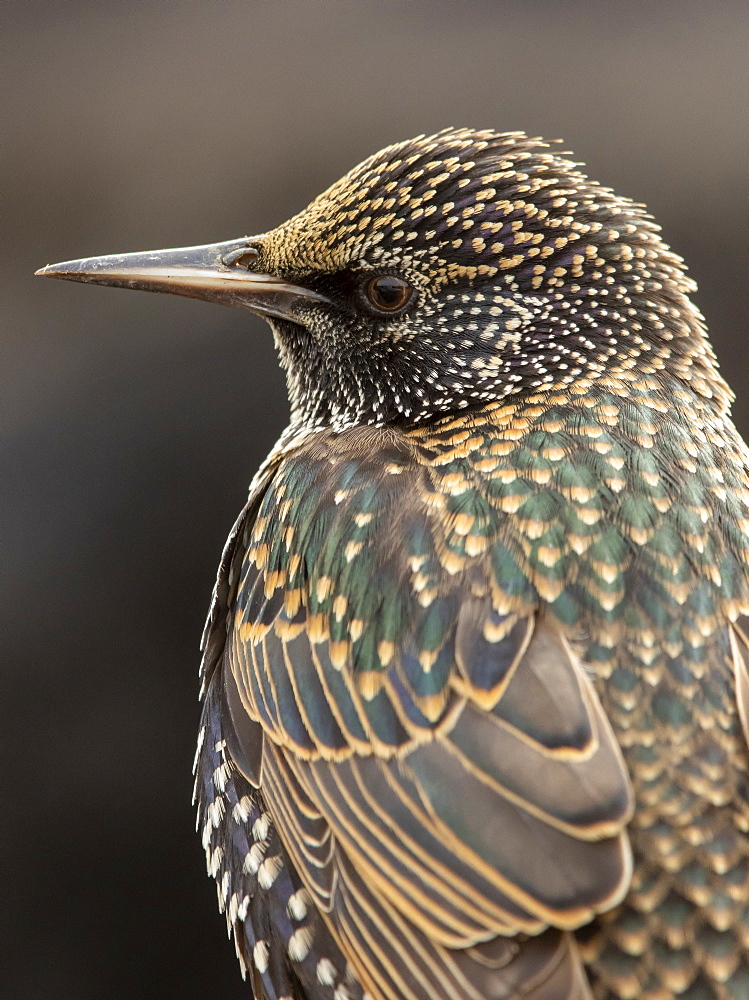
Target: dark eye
<point x="388" y="294"/>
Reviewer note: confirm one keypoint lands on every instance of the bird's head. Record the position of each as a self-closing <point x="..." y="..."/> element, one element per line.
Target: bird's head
<point x="444" y="272"/>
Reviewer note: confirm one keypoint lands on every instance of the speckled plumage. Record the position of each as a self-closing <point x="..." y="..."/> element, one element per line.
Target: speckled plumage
<point x="476" y="673"/>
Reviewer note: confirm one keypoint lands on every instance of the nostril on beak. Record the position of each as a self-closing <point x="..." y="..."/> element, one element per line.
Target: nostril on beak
<point x="243" y="257"/>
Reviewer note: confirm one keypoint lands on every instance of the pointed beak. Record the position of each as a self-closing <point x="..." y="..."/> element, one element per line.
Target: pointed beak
<point x="216" y="272"/>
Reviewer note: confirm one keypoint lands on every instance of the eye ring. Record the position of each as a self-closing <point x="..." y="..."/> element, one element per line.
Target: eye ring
<point x="387" y="294"/>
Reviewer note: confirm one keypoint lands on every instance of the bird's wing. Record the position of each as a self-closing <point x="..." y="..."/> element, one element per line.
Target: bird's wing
<point x="499" y="821"/>
<point x="438" y="765"/>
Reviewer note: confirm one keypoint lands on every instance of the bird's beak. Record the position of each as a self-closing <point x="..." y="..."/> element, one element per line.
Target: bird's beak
<point x="216" y="272"/>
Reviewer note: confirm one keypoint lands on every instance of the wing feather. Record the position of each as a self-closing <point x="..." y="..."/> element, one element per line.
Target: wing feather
<point x="392" y="955"/>
<point x="439" y="767"/>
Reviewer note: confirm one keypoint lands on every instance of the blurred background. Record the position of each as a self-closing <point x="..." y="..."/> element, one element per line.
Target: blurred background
<point x="132" y="424"/>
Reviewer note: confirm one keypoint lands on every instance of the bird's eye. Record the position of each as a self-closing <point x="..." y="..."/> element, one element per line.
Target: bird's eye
<point x="387" y="293"/>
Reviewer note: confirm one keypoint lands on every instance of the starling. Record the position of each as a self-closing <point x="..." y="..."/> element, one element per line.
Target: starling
<point x="476" y="671"/>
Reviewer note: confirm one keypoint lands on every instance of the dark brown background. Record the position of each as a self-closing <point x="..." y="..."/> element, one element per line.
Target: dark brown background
<point x="132" y="423"/>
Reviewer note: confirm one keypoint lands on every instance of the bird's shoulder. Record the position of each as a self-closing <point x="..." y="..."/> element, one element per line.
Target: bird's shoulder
<point x="592" y="507"/>
<point x="562" y="499"/>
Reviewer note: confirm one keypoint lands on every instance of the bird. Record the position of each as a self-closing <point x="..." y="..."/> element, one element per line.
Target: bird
<point x="475" y="675"/>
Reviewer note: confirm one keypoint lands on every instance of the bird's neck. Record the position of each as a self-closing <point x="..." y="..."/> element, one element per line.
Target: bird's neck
<point x="556" y="354"/>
